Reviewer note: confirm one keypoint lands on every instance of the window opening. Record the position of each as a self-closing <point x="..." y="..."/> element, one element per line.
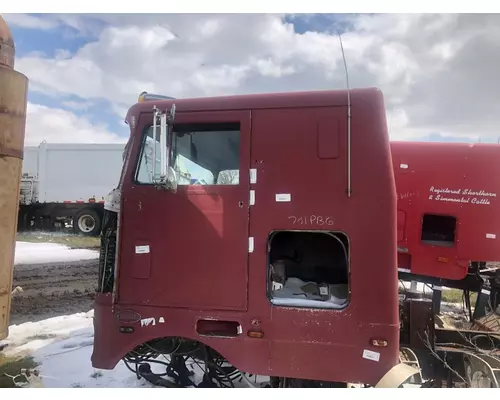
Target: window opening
<point x="309" y="269"/>
<point x="438" y="230"/>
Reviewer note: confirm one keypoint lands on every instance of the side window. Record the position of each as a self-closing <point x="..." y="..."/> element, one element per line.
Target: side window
<point x="207" y="154"/>
<point x="202" y="154"/>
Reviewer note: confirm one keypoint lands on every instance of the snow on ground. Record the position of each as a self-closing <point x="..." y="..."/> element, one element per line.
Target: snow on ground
<point x="39" y="253"/>
<point x="63" y="346"/>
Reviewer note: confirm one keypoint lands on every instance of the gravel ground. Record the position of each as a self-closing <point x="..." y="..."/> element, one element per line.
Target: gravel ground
<point x="53" y="289"/>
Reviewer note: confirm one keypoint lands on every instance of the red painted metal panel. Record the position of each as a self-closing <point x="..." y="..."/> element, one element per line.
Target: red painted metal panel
<point x="198" y="236"/>
<point x="317" y="188"/>
<point x="328" y="138"/>
<point x="141" y="263"/>
<point x="451" y="179"/>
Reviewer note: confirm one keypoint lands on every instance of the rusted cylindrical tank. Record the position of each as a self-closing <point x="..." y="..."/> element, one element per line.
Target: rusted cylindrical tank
<point x="13" y="98"/>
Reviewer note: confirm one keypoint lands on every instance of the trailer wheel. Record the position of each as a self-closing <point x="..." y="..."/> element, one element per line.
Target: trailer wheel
<point x="87" y="222"/>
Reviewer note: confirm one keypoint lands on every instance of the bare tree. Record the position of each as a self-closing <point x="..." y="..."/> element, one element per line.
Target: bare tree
<point x="228" y="177"/>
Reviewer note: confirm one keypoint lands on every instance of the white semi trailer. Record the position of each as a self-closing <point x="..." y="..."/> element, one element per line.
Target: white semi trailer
<point x="66" y="184"/>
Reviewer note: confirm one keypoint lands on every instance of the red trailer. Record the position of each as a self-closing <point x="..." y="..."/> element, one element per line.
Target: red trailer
<point x="448" y="212"/>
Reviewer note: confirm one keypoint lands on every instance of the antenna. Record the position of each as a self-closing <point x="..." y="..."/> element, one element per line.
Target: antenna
<point x="348" y="118"/>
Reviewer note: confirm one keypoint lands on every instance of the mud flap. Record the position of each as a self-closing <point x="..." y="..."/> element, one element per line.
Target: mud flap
<point x="396" y="376"/>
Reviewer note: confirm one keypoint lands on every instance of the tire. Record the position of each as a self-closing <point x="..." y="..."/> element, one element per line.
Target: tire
<point x="87" y="222"/>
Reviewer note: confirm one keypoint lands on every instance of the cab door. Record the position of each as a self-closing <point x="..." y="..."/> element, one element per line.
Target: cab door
<point x="189" y="248"/>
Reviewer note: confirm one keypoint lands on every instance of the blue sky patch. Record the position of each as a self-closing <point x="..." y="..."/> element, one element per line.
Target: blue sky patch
<point x="320" y="22"/>
<point x="46" y="41"/>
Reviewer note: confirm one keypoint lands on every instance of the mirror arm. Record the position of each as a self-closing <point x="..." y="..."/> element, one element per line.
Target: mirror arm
<point x="163" y="147"/>
<point x="168" y="177"/>
<point x="155" y="125"/>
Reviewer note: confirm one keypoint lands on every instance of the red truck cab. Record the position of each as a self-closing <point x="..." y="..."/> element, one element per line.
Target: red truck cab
<point x="259" y="253"/>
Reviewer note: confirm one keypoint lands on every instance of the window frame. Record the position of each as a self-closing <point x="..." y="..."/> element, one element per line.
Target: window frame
<point x="144" y="129"/>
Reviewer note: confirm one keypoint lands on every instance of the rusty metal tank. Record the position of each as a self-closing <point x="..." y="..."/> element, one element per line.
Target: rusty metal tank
<point x="13" y="103"/>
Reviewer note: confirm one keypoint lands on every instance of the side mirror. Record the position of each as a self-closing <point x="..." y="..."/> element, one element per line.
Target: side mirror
<point x="167" y="177"/>
<point x="172" y="180"/>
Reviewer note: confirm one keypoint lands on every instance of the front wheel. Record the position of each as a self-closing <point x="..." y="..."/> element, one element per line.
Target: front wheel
<point x="87" y="222"/>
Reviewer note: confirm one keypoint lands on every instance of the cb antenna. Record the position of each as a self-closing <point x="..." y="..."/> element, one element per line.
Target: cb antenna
<point x="348" y="118"/>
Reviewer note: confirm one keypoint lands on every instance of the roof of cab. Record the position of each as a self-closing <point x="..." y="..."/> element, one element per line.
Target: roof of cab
<point x="261" y="101"/>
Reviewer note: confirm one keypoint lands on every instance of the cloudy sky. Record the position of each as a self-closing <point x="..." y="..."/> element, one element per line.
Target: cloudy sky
<point x="438" y="72"/>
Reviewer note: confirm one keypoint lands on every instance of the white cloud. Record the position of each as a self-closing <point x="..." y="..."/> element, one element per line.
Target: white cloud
<point x="59" y="126"/>
<point x="438" y="72"/>
<point x="29" y="21"/>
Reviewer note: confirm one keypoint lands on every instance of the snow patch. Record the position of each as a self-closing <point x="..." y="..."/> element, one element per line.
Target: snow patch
<point x="62" y="346"/>
<point x="32" y="336"/>
<point x="39" y="253"/>
<point x="66" y="363"/>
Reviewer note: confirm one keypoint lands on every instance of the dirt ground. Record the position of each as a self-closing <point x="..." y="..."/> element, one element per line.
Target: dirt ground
<point x="53" y="289"/>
